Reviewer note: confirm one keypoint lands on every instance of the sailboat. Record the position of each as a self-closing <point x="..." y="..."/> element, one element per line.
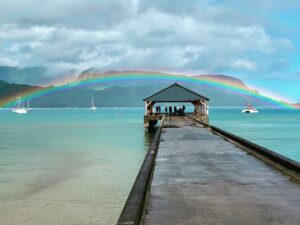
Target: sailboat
<point x="249" y="108"/>
<point x="19" y="107"/>
<point x="28" y="106"/>
<point x="93" y="107"/>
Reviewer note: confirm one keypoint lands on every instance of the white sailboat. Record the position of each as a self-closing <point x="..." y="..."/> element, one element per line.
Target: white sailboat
<point x="28" y="106"/>
<point x="93" y="107"/>
<point x="249" y="108"/>
<point x="19" y="107"/>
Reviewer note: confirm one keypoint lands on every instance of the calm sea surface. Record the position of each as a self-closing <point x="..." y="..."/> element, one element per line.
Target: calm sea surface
<point x="74" y="166"/>
<point x="276" y="129"/>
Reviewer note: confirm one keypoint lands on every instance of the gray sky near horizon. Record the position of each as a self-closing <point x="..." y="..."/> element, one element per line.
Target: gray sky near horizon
<point x="253" y="40"/>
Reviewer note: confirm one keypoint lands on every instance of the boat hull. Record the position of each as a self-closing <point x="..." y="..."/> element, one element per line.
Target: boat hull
<point x="20" y="111"/>
<point x="249" y="111"/>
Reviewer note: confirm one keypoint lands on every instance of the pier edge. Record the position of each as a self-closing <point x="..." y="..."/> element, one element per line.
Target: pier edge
<point x="284" y="164"/>
<point x="133" y="209"/>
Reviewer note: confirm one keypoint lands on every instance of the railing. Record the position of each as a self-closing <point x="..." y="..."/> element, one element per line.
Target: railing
<point x="171" y="114"/>
<point x="134" y="206"/>
<point x="274" y="157"/>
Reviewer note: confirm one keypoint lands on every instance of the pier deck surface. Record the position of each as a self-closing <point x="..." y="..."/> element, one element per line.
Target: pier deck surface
<point x="200" y="178"/>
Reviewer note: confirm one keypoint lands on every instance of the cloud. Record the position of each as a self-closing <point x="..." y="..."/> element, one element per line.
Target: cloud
<point x="243" y="64"/>
<point x="126" y="34"/>
<point x="91" y="14"/>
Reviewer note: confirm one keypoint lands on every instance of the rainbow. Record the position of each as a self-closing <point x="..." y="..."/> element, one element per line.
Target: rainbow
<point x="150" y="76"/>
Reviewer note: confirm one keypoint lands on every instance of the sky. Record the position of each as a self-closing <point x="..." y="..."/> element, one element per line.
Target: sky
<point x="256" y="41"/>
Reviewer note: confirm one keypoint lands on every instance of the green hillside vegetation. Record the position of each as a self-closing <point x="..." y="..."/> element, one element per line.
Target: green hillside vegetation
<point x="9" y="91"/>
<point x="128" y="95"/>
<point x="30" y="76"/>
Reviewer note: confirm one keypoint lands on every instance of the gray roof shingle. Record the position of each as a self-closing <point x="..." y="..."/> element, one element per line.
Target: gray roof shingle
<point x="175" y="93"/>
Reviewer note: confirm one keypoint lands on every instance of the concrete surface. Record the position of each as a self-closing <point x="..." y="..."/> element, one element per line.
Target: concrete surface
<point x="200" y="178"/>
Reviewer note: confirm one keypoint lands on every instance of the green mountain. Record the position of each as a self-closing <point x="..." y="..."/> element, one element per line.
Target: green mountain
<point x="30" y="75"/>
<point x="19" y="81"/>
<point x="118" y="94"/>
<point x="9" y="91"/>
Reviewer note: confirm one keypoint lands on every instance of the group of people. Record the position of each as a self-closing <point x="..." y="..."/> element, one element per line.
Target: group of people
<point x="171" y="110"/>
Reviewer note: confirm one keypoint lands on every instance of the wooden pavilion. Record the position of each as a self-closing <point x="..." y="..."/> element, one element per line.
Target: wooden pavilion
<point x="175" y="93"/>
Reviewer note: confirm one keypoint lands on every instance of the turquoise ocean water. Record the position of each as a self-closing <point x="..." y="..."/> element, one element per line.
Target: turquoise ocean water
<point x="76" y="166"/>
<point x="276" y="129"/>
<point x="68" y="166"/>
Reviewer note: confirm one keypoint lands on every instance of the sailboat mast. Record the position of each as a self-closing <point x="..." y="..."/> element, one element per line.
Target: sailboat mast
<point x="19" y="103"/>
<point x="249" y="101"/>
<point x="16" y="103"/>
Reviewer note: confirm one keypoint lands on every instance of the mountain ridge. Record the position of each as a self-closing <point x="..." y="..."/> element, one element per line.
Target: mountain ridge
<point x="127" y="93"/>
<point x="29" y="75"/>
<point x="25" y="75"/>
<point x="93" y="73"/>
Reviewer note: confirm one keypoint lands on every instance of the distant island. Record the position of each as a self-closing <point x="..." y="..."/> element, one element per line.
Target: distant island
<point x="120" y="94"/>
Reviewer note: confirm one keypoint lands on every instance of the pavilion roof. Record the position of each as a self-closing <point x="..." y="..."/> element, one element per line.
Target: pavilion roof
<point x="176" y="93"/>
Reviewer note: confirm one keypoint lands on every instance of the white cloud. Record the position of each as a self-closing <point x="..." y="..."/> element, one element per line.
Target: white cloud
<point x="243" y="65"/>
<point x="124" y="34"/>
<point x="90" y="14"/>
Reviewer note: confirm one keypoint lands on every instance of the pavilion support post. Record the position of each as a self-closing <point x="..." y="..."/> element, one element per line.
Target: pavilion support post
<point x="206" y="108"/>
<point x="197" y="107"/>
<point x="201" y="110"/>
<point x="148" y="107"/>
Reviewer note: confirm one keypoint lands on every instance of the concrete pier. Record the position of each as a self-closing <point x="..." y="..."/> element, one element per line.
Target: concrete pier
<point x="201" y="178"/>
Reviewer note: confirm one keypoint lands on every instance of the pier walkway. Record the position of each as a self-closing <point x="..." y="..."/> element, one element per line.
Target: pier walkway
<point x="201" y="178"/>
